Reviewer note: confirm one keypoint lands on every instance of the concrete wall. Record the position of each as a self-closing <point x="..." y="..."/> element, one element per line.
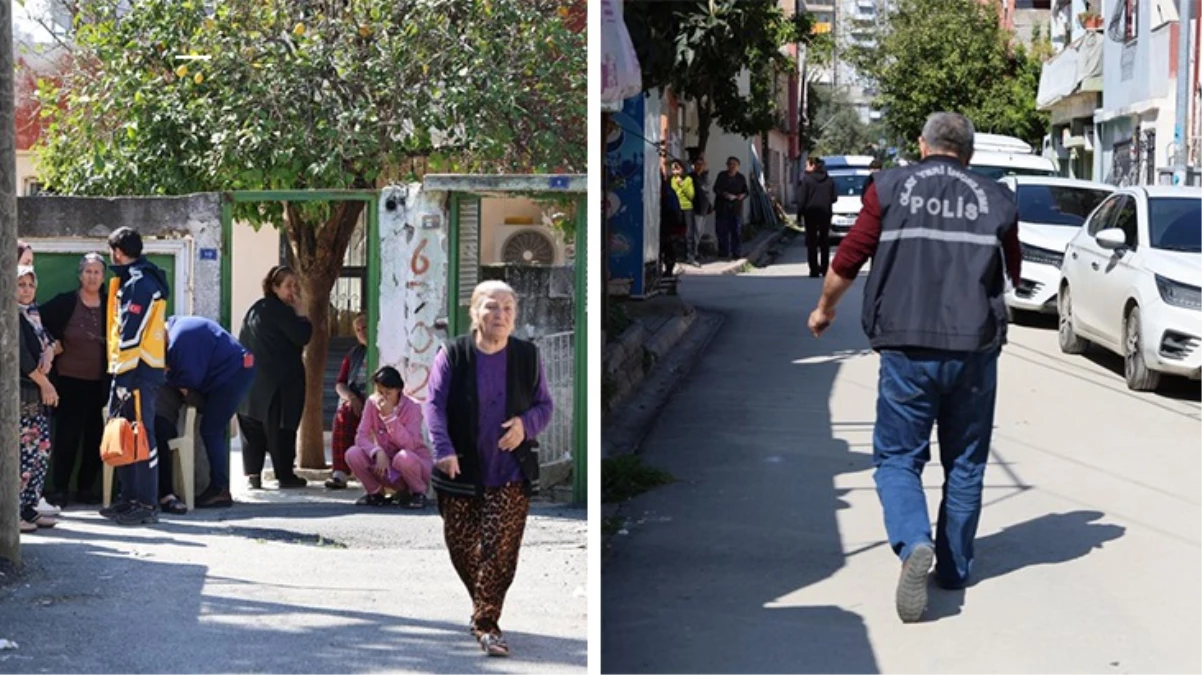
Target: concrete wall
<point x="413" y="281"/>
<point x="26" y="171"/>
<point x="197" y="216"/>
<point x="1138" y="70"/>
<point x="546" y="301"/>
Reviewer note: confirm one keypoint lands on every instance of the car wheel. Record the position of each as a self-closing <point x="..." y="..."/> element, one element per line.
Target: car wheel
<point x="1139" y="377"/>
<point x="1070" y="343"/>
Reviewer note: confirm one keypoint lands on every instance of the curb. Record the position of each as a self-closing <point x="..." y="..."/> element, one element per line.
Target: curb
<point x="757" y="251"/>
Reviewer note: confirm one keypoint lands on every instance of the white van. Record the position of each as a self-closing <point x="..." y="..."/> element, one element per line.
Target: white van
<point x="996" y="156"/>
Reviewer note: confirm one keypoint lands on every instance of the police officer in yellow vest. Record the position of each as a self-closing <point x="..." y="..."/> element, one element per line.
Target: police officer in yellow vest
<point x="137" y="353"/>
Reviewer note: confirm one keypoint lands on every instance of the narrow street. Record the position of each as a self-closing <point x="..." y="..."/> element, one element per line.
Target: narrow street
<point x="768" y="553"/>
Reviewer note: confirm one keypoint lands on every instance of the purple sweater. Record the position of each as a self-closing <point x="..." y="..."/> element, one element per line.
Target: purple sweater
<point x="497" y="467"/>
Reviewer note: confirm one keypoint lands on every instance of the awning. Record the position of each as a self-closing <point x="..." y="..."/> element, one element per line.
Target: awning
<point x="1076" y="69"/>
<point x="621" y="76"/>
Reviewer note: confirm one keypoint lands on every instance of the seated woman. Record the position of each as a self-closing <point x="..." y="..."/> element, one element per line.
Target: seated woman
<point x="351" y="388"/>
<point x="389" y="450"/>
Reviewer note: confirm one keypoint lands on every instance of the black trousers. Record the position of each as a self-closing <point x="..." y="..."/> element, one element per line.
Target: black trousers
<point x="78" y="419"/>
<point x="261" y="438"/>
<point x="818" y="241"/>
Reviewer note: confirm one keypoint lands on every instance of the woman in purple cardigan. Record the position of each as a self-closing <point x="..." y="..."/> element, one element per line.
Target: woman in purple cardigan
<point x="487" y="401"/>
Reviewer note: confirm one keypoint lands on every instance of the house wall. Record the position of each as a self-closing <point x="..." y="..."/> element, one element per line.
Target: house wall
<point x="254" y="254"/>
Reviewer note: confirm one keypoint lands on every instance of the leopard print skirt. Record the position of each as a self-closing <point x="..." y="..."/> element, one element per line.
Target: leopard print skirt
<point x="484" y="537"/>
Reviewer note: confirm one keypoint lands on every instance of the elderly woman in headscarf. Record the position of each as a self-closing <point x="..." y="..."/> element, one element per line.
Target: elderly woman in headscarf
<point x="487" y="400"/>
<point x="36" y="352"/>
<point x="76" y="319"/>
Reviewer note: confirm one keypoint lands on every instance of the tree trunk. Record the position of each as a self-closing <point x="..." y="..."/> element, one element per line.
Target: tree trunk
<point x="10" y="454"/>
<point x="318" y="253"/>
<point x="705" y="117"/>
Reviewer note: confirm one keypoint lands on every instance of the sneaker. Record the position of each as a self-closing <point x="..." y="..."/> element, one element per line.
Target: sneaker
<point x="293" y="481"/>
<point x="254" y="482"/>
<point x="414" y="502"/>
<point x="47" y="509"/>
<point x="912" y="583"/>
<point x="214" y="499"/>
<point x="116" y="508"/>
<point x="138" y="514"/>
<point x="374" y="499"/>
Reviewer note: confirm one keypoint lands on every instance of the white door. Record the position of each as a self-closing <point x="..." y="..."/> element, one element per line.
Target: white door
<point x="1118" y="274"/>
<point x="1088" y="260"/>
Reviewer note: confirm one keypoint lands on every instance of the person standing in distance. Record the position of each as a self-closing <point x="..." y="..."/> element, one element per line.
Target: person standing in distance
<point x="137" y="348"/>
<point x="934" y="309"/>
<point x="814" y="203"/>
<point x="730" y="189"/>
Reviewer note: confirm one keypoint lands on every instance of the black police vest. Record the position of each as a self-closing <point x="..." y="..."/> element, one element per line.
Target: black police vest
<point x="937" y="278"/>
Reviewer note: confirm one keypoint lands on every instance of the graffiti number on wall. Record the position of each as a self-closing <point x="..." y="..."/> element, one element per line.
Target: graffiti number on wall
<point x="419" y="263"/>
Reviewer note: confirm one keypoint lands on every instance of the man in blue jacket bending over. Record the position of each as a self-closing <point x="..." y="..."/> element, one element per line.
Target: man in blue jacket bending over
<point x="203" y="357"/>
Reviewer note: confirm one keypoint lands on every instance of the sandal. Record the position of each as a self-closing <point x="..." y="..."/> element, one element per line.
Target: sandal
<point x="493" y="644"/>
<point x="45" y="522"/>
<point x="27" y="526"/>
<point x="373" y="499"/>
<point x="173" y="505"/>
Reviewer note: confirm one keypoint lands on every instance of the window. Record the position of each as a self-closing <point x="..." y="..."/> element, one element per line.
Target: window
<point x="1173" y="224"/>
<point x="33" y="187"/>
<point x="1104" y="215"/>
<point x="1057" y="204"/>
<point x="1125" y="219"/>
<point x="1130" y="19"/>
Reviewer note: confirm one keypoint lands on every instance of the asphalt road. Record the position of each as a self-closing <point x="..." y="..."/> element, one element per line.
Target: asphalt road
<point x="298" y="582"/>
<point x="768" y="554"/>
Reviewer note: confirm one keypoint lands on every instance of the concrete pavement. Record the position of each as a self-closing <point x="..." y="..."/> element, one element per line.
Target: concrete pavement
<point x="308" y="584"/>
<point x="768" y="554"/>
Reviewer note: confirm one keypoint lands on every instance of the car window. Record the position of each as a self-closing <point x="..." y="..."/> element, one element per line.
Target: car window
<point x="1057" y="204"/>
<point x="1175" y="223"/>
<point x="1126" y="219"/>
<point x="1104" y="215"/>
<point x="849" y="185"/>
<point x="996" y="172"/>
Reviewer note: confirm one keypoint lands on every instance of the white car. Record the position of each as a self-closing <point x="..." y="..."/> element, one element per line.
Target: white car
<point x="1132" y="283"/>
<point x="1050" y="211"/>
<point x="849" y="185"/>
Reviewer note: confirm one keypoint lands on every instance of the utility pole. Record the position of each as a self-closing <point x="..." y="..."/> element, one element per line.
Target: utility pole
<point x="10" y="458"/>
<point x="1180" y="129"/>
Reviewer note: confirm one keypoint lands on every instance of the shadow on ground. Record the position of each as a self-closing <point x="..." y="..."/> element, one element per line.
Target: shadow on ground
<point x="85" y="608"/>
<point x="752" y="517"/>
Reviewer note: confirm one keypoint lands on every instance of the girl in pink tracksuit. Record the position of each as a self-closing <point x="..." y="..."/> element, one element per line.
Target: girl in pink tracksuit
<point x="389" y="449"/>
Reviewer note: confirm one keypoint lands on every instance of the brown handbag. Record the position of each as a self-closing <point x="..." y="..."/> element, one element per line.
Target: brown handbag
<point x="125" y="441"/>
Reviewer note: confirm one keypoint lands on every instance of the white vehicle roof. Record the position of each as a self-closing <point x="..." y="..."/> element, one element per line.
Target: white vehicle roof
<point x="999" y="143"/>
<point x="1170" y="191"/>
<point x="848" y="171"/>
<point x="1006" y="160"/>
<point x="1057" y="180"/>
<point x="847" y="161"/>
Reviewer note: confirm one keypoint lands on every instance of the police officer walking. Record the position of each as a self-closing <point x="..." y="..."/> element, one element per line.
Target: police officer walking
<point x="940" y="238"/>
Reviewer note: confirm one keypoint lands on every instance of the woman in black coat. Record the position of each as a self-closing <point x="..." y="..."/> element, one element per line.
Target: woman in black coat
<point x="276" y="331"/>
<point x="37" y="396"/>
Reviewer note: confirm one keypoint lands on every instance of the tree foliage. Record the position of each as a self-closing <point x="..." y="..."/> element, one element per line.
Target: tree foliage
<point x="171" y="97"/>
<point x="700" y="48"/>
<point x="952" y="55"/>
<point x="838" y="128"/>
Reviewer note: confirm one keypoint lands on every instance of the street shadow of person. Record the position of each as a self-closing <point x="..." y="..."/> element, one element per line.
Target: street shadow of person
<point x="706" y="577"/>
<point x="1047" y="540"/>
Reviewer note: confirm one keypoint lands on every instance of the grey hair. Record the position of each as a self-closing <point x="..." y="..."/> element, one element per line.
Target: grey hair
<point x="484" y="290"/>
<point x="88" y="259"/>
<point x="946" y="132"/>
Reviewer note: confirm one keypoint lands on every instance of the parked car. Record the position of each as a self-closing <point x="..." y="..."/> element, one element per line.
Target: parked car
<point x="1132" y="283"/>
<point x="1050" y="211"/>
<point x="849" y="185"/>
<point x="996" y="156"/>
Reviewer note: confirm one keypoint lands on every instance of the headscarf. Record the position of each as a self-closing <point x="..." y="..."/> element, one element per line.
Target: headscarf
<point x="34" y="317"/>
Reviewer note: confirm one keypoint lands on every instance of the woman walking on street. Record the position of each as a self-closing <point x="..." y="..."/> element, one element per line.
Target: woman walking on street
<point x="76" y="319"/>
<point x="389" y="449"/>
<point x="276" y="331"/>
<point x="36" y="395"/>
<point x="487" y="401"/>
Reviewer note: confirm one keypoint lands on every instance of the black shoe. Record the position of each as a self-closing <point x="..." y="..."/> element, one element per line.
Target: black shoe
<point x="912" y="584"/>
<point x="59" y="499"/>
<point x="415" y="502"/>
<point x="374" y="499"/>
<point x="116" y="508"/>
<point x="291" y="482"/>
<point x="212" y="498"/>
<point x="138" y="514"/>
<point x="815" y="274"/>
<point x="335" y="483"/>
<point x="255" y="482"/>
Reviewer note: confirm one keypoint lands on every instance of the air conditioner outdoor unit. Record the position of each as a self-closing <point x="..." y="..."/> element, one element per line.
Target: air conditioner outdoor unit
<point x="530" y="246"/>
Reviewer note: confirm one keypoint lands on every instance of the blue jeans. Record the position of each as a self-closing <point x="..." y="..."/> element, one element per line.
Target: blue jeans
<point x="918" y="388"/>
<point x="220" y="405"/>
